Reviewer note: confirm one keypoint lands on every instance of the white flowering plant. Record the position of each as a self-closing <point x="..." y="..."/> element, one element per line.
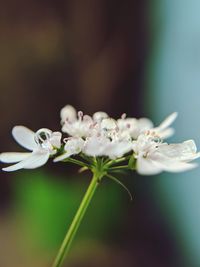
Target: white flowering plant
<point x="104" y="146"/>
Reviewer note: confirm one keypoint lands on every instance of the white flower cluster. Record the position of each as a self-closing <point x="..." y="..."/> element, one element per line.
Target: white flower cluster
<point x="101" y="136"/>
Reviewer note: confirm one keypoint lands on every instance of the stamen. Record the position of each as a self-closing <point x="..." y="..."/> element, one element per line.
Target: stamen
<point x="66" y="139"/>
<point x="80" y="115"/>
<point x="42" y="135"/>
<point x="123" y="116"/>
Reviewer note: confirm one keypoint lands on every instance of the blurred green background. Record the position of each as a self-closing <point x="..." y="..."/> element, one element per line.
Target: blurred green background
<point x="139" y="57"/>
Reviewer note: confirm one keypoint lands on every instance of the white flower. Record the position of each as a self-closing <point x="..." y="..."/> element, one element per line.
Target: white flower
<point x="73" y="146"/>
<point x="108" y="128"/>
<point x="75" y="124"/>
<point x="97" y="146"/>
<point x="163" y="131"/>
<point x="99" y="116"/>
<point x="68" y="113"/>
<point x="108" y="124"/>
<point x="102" y="136"/>
<point x="117" y="149"/>
<point x="42" y="144"/>
<point x="153" y="157"/>
<point x="134" y="127"/>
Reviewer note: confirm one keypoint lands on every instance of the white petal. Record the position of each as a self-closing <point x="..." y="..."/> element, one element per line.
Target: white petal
<point x="118" y="149"/>
<point x="68" y="113"/>
<point x="179" y="166"/>
<point x="77" y="128"/>
<point x="72" y="147"/>
<point x="185" y="151"/>
<point x="166" y="133"/>
<point x="190" y="146"/>
<point x="87" y="119"/>
<point x="12" y="157"/>
<point x="39" y="158"/>
<point x="146" y="166"/>
<point x="55" y="139"/>
<point x="108" y="124"/>
<point x="25" y="137"/>
<point x="142" y="125"/>
<point x="95" y="146"/>
<point x="62" y="157"/>
<point x="100" y="115"/>
<point x="171" y="164"/>
<point x="35" y="160"/>
<point x="127" y="124"/>
<point x="168" y="121"/>
<point x="145" y="124"/>
<point x="195" y="156"/>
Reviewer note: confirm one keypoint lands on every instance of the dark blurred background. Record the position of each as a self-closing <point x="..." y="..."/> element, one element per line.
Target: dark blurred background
<point x="139" y="57"/>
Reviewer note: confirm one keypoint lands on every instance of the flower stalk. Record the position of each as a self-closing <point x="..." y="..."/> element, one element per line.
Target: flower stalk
<point x="64" y="249"/>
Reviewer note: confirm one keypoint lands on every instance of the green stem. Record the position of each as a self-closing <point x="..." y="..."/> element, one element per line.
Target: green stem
<point x="116" y="161"/>
<point x="77" y="220"/>
<point x="78" y="162"/>
<point x="119" y="167"/>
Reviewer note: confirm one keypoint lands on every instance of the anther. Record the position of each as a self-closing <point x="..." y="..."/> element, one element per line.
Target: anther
<point x="123" y="116"/>
<point x="42" y="135"/>
<point x="80" y="115"/>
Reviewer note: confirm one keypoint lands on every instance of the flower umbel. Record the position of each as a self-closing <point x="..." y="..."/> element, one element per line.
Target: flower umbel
<point x="100" y="136"/>
<point x="104" y="146"/>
